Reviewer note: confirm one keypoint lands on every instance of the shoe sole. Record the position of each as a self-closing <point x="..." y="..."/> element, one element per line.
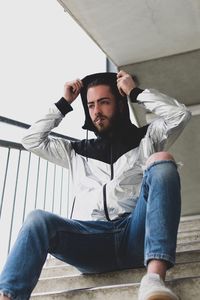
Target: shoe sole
<point x="161" y="297"/>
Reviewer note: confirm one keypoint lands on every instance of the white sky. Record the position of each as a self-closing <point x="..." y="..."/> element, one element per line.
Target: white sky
<point x="41" y="49"/>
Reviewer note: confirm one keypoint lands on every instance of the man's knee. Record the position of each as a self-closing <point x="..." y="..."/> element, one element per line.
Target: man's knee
<point x="35" y="214"/>
<point x="159" y="156"/>
<point x="37" y="217"/>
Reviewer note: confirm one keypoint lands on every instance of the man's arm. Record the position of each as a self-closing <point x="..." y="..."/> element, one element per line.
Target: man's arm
<point x="37" y="138"/>
<point x="172" y="115"/>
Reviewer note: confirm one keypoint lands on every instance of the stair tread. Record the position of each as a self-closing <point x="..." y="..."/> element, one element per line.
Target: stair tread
<point x="186" y="288"/>
<point x="77" y="281"/>
<point x="187" y="254"/>
<point x="63" y="281"/>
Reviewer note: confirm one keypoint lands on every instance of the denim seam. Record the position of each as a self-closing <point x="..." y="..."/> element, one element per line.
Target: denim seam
<point x="159" y="256"/>
<point x="6" y="294"/>
<point x="86" y="233"/>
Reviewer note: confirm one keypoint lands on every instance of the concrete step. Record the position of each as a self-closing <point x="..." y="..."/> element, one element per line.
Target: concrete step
<point x="185" y="288"/>
<point x="119" y="277"/>
<point x="61" y="281"/>
<point x="191" y="225"/>
<point x="181" y="247"/>
<point x="188" y="234"/>
<point x="188" y="256"/>
<point x="55" y="267"/>
<point x="53" y="262"/>
<point x="59" y="270"/>
<point x="195" y="237"/>
<point x="189" y="218"/>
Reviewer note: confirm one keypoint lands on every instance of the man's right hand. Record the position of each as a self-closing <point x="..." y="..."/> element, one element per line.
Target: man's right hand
<point x="72" y="90"/>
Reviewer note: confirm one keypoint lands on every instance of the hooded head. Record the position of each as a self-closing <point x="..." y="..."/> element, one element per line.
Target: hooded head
<point x="122" y="125"/>
<point x="106" y="79"/>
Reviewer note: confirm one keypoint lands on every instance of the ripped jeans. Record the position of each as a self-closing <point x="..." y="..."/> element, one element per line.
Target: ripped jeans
<point x="149" y="232"/>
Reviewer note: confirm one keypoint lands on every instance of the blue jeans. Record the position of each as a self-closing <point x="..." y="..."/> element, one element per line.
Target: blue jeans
<point x="149" y="232"/>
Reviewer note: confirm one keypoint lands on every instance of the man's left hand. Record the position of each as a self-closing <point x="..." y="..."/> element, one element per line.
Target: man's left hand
<point x="125" y="83"/>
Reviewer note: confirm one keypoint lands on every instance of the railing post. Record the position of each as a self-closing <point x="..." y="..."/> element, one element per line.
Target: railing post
<point x="45" y="185"/>
<point x="4" y="184"/>
<point x="14" y="200"/>
<point x="36" y="190"/>
<point x="26" y="190"/>
<point x="54" y="182"/>
<point x="61" y="191"/>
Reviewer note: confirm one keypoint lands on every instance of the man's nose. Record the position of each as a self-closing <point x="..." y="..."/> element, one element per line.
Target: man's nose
<point x="97" y="109"/>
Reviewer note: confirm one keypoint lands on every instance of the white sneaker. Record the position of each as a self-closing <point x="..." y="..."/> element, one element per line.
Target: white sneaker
<point x="152" y="287"/>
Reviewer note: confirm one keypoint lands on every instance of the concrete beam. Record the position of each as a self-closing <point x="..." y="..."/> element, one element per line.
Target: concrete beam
<point x="177" y="75"/>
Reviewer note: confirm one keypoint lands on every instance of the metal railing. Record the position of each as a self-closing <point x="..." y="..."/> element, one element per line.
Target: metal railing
<point x="28" y="182"/>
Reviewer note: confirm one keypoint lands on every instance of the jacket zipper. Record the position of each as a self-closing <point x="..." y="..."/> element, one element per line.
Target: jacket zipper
<point x="104" y="187"/>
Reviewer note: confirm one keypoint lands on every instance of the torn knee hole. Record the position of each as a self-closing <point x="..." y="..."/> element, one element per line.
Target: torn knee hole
<point x="159" y="156"/>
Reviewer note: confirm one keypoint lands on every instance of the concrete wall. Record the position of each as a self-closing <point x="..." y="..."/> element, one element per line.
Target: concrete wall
<point x="177" y="75"/>
<point x="187" y="150"/>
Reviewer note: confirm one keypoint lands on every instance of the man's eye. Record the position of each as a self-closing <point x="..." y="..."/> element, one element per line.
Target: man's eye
<point x="90" y="106"/>
<point x="105" y="102"/>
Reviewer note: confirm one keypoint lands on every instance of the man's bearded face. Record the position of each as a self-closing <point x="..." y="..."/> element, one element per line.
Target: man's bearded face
<point x="102" y="107"/>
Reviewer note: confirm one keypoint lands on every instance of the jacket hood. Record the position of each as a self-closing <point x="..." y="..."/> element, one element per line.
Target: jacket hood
<point x="107" y="78"/>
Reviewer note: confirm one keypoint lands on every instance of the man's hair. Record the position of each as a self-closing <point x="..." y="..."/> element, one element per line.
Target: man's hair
<point x="113" y="87"/>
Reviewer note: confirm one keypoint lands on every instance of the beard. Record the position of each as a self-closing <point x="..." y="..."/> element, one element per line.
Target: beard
<point x="104" y="124"/>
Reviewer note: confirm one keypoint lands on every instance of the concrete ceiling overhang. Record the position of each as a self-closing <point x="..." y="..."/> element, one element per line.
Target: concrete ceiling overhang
<point x="159" y="42"/>
<point x="132" y="31"/>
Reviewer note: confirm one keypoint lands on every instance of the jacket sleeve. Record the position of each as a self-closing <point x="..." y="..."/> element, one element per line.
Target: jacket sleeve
<point x="172" y="117"/>
<point x="38" y="140"/>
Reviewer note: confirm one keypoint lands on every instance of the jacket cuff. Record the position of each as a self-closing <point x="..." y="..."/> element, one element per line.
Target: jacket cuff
<point x="134" y="93"/>
<point x="63" y="106"/>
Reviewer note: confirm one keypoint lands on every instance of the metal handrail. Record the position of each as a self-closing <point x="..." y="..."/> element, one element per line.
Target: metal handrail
<point x="13" y="122"/>
<point x="12" y="145"/>
<point x="19" y="124"/>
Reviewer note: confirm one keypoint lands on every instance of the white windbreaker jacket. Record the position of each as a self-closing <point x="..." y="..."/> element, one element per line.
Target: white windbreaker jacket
<point x="91" y="175"/>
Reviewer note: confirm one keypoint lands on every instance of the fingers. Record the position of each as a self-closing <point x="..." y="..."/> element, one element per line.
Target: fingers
<point x="75" y="85"/>
<point x="78" y="84"/>
<point x="125" y="83"/>
<point x="72" y="90"/>
<point x="120" y="89"/>
<point x="121" y="73"/>
<point x="120" y="80"/>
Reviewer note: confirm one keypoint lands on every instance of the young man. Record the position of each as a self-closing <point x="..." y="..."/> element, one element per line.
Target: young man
<point x="124" y="175"/>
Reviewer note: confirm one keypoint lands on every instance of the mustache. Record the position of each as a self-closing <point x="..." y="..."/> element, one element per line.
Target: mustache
<point x="99" y="117"/>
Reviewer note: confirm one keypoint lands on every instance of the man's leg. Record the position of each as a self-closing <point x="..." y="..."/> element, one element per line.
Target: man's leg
<point x="25" y="261"/>
<point x="87" y="245"/>
<point x="161" y="188"/>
